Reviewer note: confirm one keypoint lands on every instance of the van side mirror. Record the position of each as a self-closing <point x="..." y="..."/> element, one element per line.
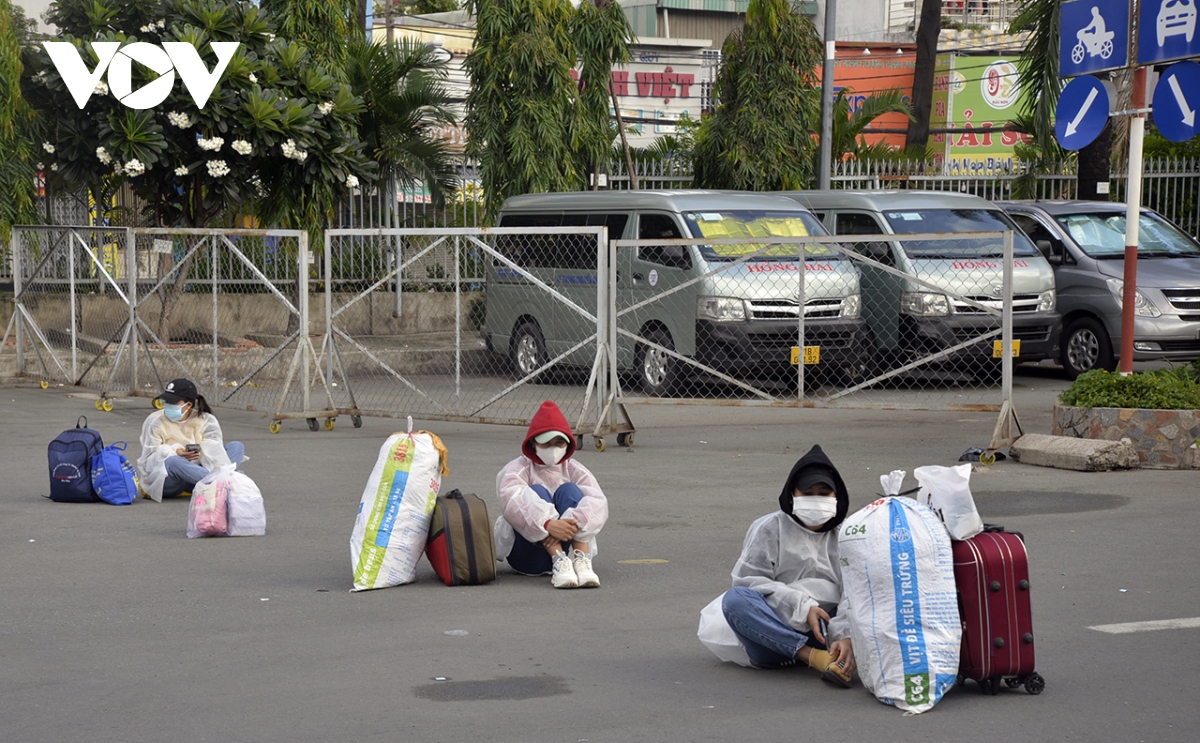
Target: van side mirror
<point x="1052" y="252"/>
<point x="878" y="251"/>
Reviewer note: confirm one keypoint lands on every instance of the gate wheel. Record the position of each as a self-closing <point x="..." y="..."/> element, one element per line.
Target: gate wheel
<point x="275" y="426"/>
<point x="625" y="439"/>
<point x="106" y="405"/>
<point x="44" y="384"/>
<point x="312" y="424"/>
<point x="599" y="444"/>
<point x="329" y="424"/>
<point x="157" y="403"/>
<point x="356" y="420"/>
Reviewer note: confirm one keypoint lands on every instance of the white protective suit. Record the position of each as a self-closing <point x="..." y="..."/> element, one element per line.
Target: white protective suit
<point x="525" y="512"/>
<point x="161" y="438"/>
<point x="795" y="569"/>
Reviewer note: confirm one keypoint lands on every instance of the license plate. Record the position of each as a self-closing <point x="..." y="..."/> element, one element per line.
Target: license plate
<point x="998" y="349"/>
<point x="812" y="355"/>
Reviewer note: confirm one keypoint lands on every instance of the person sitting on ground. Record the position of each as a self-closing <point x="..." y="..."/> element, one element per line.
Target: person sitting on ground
<point x="553" y="507"/>
<point x="182" y="443"/>
<point x="786" y="604"/>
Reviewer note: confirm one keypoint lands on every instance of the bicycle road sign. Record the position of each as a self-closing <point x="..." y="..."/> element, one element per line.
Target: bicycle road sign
<point x="1094" y="36"/>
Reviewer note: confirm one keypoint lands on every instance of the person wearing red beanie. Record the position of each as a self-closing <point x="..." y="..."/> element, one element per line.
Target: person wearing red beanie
<point x="553" y="508"/>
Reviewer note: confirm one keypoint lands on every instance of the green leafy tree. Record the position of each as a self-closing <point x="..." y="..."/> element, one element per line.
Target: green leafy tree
<point x="602" y="34"/>
<point x="16" y="128"/>
<point x="520" y="109"/>
<point x="760" y="137"/>
<point x="323" y="26"/>
<point x="849" y="126"/>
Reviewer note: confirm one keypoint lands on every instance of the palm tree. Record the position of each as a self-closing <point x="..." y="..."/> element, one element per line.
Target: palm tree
<point x="405" y="104"/>
<point x="849" y="127"/>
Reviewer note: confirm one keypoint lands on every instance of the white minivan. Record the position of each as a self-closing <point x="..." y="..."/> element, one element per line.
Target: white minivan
<point x="908" y="319"/>
<point x="738" y="319"/>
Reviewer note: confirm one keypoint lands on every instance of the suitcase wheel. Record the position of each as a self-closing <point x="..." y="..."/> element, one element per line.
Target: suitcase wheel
<point x="1035" y="684"/>
<point x="1012" y="681"/>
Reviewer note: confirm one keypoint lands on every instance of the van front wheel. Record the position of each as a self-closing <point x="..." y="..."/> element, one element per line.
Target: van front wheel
<point x="528" y="350"/>
<point x="1085" y="346"/>
<point x="657" y="371"/>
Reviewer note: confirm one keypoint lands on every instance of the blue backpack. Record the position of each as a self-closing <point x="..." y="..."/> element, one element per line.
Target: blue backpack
<point x="113" y="478"/>
<point x="70" y="458"/>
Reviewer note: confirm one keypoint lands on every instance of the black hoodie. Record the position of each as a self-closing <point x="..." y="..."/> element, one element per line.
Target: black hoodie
<point x="816" y="458"/>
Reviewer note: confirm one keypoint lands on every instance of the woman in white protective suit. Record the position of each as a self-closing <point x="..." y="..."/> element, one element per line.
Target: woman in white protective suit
<point x="182" y="443"/>
<point x="787" y="584"/>
<point x="553" y="506"/>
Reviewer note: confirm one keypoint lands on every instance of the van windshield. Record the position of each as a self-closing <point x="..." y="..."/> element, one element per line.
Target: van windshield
<point x="910" y="221"/>
<point x="756" y="223"/>
<point x="1102" y="236"/>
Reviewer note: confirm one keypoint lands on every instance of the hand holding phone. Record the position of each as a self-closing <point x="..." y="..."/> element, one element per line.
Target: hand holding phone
<point x="192" y="447"/>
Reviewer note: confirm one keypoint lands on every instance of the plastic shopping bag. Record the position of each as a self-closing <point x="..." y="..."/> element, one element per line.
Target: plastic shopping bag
<point x="207" y="512"/>
<point x="718" y="636"/>
<point x="247" y="514"/>
<point x="947" y="491"/>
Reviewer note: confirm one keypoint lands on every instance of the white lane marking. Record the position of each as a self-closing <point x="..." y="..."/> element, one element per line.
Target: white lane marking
<point x="1151" y="626"/>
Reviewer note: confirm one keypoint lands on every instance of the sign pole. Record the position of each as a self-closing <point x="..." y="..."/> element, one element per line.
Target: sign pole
<point x="1133" y="200"/>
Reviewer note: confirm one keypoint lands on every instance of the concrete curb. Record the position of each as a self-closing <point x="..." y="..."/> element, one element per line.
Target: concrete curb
<point x="1068" y="453"/>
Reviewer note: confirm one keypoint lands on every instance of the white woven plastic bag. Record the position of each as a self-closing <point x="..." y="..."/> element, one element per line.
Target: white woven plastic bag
<point x="898" y="575"/>
<point x="247" y="514"/>
<point x="392" y="524"/>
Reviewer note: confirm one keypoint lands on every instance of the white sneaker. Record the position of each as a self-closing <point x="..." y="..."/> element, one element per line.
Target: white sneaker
<point x="582" y="563"/>
<point x="564" y="573"/>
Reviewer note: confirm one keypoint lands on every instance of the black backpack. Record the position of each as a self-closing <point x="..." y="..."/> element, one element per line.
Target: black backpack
<point x="70" y="458"/>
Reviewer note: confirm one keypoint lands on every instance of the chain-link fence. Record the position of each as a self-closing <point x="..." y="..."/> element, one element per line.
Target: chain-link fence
<point x="871" y="321"/>
<point x="72" y="307"/>
<point x="467" y="324"/>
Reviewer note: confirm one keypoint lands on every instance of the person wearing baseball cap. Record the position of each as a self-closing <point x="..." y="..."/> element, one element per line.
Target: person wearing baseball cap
<point x="787" y="605"/>
<point x="182" y="443"/>
<point x="553" y="507"/>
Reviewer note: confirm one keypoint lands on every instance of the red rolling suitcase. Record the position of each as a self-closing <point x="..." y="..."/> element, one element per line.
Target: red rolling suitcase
<point x="991" y="570"/>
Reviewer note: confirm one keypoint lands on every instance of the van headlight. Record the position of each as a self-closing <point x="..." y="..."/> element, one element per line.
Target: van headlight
<point x="924" y="304"/>
<point x="1142" y="306"/>
<point x="852" y="307"/>
<point x="1046" y="301"/>
<point x="721" y="309"/>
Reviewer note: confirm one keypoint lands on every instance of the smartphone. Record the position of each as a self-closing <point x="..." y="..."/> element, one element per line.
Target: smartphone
<point x="824" y="624"/>
<point x="192" y="447"/>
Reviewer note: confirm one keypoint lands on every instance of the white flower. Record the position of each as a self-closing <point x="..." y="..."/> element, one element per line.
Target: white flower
<point x="181" y="171"/>
<point x="258" y="186"/>
<point x="54" y="166"/>
<point x="253" y="79"/>
<point x="242" y="147"/>
<point x="41" y="166"/>
<point x="50" y="148"/>
<point x="162" y="23"/>
<point x="352" y="181"/>
<point x="134" y="168"/>
<point x="292" y="152"/>
<point x="212" y="145"/>
<point x="325" y="107"/>
<point x="103" y="156"/>
<point x="146" y="29"/>
<point x="181" y="120"/>
<point x="100" y="89"/>
<point x="217" y="168"/>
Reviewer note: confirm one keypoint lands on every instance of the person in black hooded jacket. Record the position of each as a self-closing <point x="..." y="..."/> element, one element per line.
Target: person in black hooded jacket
<point x="786" y="604"/>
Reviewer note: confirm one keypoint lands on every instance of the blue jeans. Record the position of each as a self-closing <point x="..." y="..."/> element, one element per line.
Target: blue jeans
<point x="183" y="475"/>
<point x="531" y="558"/>
<point x="768" y="640"/>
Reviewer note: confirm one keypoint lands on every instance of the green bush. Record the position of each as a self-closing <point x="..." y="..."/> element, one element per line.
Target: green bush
<point x="1162" y="389"/>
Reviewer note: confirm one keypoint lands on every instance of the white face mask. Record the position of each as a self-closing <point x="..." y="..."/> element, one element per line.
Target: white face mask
<point x="552" y="454"/>
<point x="814" y="510"/>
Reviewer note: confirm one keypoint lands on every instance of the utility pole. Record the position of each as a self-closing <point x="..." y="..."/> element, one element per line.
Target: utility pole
<point x="390" y="20"/>
<point x="825" y="146"/>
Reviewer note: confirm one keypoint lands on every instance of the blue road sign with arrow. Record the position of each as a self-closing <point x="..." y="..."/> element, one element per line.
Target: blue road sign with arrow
<point x="1094" y="36"/>
<point x="1082" y="112"/>
<point x="1176" y="98"/>
<point x="1167" y="30"/>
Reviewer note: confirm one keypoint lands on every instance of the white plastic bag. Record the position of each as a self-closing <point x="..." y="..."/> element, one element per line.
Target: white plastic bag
<point x="247" y="514"/>
<point x="898" y="575"/>
<point x="947" y="491"/>
<point x="718" y="636"/>
<point x="392" y="525"/>
<point x="208" y="509"/>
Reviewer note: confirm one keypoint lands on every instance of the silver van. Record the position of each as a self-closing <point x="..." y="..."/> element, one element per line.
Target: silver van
<point x="740" y="320"/>
<point x="909" y="319"/>
<point x="1085" y="243"/>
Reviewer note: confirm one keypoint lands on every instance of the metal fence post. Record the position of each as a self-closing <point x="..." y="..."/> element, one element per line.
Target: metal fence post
<point x="17" y="247"/>
<point x="302" y="293"/>
<point x="74" y="308"/>
<point x="214" y="246"/>
<point x="1006" y="339"/>
<point x="131" y="268"/>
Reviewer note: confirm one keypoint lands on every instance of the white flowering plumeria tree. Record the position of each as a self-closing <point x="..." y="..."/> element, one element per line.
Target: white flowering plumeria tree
<point x="279" y="132"/>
